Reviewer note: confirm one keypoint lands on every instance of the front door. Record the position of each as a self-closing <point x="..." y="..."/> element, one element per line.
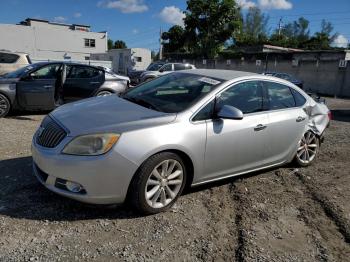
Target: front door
<point x="235" y="146"/>
<point x="36" y="90"/>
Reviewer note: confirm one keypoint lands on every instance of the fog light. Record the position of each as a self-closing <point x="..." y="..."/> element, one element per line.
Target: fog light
<point x="74" y="187"/>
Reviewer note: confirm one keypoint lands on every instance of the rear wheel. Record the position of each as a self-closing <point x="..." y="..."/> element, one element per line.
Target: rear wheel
<point x="158" y="183"/>
<point x="4" y="105"/>
<point x="307" y="149"/>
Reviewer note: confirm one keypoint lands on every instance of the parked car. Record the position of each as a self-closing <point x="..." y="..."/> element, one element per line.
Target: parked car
<point x="182" y="129"/>
<point x="44" y="86"/>
<point x="287" y="77"/>
<point x="135" y="75"/>
<point x="110" y="72"/>
<point x="165" y="69"/>
<point x="12" y="61"/>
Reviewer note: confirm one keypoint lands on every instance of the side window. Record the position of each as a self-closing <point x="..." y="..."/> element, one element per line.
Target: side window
<point x="246" y="96"/>
<point x="280" y="96"/>
<point x="299" y="98"/>
<point x="167" y="67"/>
<point x="46" y="72"/>
<point x="178" y="67"/>
<point x="205" y="113"/>
<point x="188" y="67"/>
<point x="8" y="58"/>
<point x="82" y="72"/>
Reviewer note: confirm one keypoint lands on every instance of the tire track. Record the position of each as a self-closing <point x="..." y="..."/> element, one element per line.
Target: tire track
<point x="332" y="212"/>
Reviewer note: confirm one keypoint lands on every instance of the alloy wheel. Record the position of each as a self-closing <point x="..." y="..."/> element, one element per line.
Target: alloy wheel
<point x="307" y="148"/>
<point x="164" y="183"/>
<point x="4" y="106"/>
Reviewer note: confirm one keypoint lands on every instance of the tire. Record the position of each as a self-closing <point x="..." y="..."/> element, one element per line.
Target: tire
<point x="152" y="190"/>
<point x="307" y="150"/>
<point x="5" y="106"/>
<point x="104" y="93"/>
<point x="149" y="79"/>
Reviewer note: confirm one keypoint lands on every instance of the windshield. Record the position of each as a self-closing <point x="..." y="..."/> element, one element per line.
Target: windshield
<point x="19" y="72"/>
<point x="154" y="67"/>
<point x="173" y="92"/>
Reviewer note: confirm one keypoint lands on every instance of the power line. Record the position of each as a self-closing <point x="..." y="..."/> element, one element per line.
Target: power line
<point x="313" y="14"/>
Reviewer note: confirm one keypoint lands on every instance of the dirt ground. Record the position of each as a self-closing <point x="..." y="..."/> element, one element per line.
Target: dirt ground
<point x="283" y="214"/>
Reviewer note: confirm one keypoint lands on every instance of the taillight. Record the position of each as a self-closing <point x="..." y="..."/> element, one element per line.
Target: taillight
<point x="330" y="115"/>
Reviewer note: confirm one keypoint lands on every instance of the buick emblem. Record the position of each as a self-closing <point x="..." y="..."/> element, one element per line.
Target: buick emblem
<point x="40" y="131"/>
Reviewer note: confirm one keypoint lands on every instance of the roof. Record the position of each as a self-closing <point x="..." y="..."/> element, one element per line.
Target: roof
<point x="221" y="74"/>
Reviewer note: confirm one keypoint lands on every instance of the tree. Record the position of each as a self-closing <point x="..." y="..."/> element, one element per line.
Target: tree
<point x="110" y="44"/>
<point x="209" y="24"/>
<point x="322" y="40"/>
<point x="119" y="44"/>
<point x="294" y="34"/>
<point x="254" y="28"/>
<point x="174" y="40"/>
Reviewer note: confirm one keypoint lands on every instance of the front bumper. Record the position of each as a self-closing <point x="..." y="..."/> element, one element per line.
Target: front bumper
<point x="105" y="178"/>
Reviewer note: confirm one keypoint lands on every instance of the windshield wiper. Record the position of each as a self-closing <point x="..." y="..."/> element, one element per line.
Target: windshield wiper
<point x="141" y="102"/>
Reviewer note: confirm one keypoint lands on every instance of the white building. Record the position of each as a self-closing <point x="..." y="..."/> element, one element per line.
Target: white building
<point x="44" y="40"/>
<point x="125" y="60"/>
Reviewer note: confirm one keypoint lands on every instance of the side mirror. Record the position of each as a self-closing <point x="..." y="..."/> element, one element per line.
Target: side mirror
<point x="230" y="112"/>
<point x="161" y="70"/>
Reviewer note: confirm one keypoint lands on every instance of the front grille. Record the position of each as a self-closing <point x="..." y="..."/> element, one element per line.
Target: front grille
<point x="50" y="134"/>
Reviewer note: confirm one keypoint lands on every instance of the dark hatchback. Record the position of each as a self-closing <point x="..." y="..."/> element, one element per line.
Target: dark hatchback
<point x="45" y="85"/>
<point x="287" y="77"/>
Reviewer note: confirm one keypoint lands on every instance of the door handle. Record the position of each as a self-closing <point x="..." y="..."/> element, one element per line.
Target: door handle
<point x="300" y="119"/>
<point x="47" y="87"/>
<point x="259" y="127"/>
<point x="94" y="83"/>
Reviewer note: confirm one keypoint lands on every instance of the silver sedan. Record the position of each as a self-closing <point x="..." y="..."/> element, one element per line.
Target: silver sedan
<point x="182" y="129"/>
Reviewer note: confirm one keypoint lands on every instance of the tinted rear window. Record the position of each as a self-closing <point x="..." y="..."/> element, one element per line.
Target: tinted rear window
<point x="6" y="58"/>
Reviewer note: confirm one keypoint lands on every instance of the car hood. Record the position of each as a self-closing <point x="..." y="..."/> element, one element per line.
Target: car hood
<point x="107" y="114"/>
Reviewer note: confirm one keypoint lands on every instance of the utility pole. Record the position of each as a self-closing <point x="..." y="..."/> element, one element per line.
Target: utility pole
<point x="160" y="45"/>
<point x="280" y="26"/>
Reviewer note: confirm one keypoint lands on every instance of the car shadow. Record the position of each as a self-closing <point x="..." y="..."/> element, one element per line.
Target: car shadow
<point x="341" y="115"/>
<point x="25" y="115"/>
<point x="22" y="196"/>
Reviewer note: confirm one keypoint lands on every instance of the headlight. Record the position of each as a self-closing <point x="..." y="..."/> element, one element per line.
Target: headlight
<point x="91" y="145"/>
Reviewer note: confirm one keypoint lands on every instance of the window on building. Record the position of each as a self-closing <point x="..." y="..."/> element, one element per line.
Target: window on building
<point x="87" y="57"/>
<point x="89" y="42"/>
<point x="138" y="59"/>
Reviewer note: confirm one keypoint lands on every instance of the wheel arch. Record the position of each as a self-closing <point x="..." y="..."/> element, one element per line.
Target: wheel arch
<point x="184" y="156"/>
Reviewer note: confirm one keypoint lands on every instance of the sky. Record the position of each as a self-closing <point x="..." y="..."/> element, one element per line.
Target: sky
<point x="138" y="22"/>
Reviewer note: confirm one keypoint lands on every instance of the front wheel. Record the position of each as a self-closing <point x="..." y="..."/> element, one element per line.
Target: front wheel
<point x="4" y="105"/>
<point x="158" y="183"/>
<point x="307" y="149"/>
<point x="104" y="93"/>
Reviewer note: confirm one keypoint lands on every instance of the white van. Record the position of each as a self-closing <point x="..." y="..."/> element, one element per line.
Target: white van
<point x="12" y="61"/>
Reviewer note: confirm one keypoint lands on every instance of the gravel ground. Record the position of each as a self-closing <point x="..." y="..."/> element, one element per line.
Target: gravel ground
<point x="283" y="214"/>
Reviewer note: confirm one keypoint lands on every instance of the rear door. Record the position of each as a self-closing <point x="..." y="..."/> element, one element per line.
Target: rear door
<point x="287" y="121"/>
<point x="82" y="82"/>
<point x="36" y="90"/>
